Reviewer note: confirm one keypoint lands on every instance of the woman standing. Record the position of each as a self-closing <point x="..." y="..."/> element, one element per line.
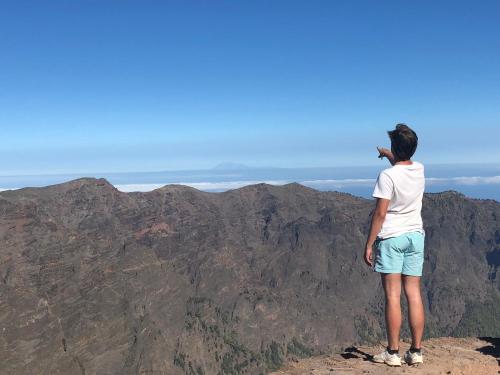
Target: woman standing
<point x="397" y="236"/>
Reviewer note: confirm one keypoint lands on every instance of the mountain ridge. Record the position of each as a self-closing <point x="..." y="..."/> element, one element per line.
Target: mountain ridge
<point x="91" y="181"/>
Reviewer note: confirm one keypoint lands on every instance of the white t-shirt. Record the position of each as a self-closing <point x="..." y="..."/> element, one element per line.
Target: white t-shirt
<point x="404" y="185"/>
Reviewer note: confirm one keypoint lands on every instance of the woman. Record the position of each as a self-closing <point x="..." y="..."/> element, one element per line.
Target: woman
<point x="397" y="236"/>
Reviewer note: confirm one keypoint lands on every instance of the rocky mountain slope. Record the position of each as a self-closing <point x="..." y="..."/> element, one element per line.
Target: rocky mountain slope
<point x="179" y="281"/>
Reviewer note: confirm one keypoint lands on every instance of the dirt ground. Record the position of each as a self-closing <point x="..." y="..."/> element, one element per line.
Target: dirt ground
<point x="441" y="356"/>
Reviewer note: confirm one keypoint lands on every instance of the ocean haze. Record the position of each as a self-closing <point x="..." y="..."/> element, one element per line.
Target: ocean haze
<point x="474" y="180"/>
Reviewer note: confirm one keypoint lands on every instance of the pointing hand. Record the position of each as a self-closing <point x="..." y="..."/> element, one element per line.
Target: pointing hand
<point x="384" y="152"/>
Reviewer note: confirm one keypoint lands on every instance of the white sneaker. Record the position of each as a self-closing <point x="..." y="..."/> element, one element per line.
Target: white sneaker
<point x="388" y="359"/>
<point x="413" y="358"/>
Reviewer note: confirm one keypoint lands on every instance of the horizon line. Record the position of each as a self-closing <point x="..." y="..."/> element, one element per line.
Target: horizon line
<point x="216" y="169"/>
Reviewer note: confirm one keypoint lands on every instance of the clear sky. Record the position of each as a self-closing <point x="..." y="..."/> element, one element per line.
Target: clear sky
<point x="105" y="85"/>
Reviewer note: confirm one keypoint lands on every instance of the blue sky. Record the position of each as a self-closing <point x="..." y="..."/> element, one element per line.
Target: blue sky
<point x="99" y="86"/>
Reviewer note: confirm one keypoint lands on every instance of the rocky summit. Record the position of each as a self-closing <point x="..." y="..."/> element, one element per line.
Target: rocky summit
<point x="179" y="281"/>
<point x="442" y="356"/>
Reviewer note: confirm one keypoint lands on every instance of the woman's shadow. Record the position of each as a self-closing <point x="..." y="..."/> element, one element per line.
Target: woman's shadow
<point x="493" y="349"/>
<point x="354" y="353"/>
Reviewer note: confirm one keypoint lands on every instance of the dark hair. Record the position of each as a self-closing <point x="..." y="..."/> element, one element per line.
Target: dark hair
<point x="404" y="142"/>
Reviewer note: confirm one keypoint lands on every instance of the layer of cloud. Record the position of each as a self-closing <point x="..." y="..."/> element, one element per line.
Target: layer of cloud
<point x="475" y="180"/>
<point x="320" y="184"/>
<point x="340" y="183"/>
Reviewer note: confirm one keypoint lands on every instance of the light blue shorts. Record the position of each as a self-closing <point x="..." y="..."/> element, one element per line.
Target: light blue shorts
<point x="402" y="254"/>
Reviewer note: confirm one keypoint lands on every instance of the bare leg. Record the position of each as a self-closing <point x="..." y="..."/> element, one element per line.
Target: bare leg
<point x="392" y="289"/>
<point x="415" y="308"/>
